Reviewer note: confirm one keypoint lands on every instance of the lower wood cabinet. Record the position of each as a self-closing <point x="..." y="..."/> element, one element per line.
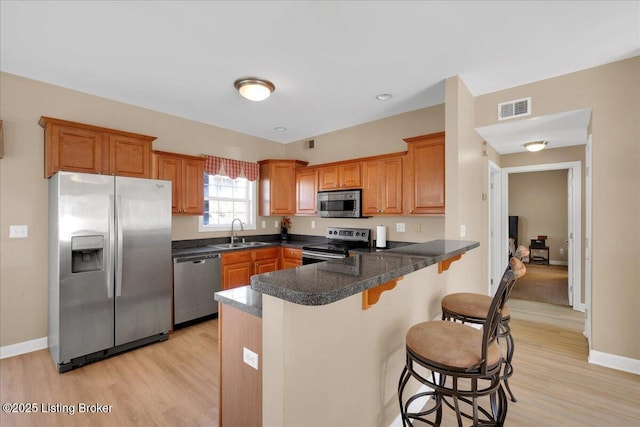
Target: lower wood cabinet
<point x="240" y="384"/>
<point x="236" y="268"/>
<point x="265" y="260"/>
<point x="290" y="258"/>
<point x="239" y="266"/>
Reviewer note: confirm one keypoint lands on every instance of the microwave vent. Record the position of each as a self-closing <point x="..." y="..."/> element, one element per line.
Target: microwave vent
<point x="309" y="144"/>
<point x="517" y="108"/>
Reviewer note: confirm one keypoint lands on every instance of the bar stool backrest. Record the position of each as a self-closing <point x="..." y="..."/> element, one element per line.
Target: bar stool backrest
<point x="494" y="316"/>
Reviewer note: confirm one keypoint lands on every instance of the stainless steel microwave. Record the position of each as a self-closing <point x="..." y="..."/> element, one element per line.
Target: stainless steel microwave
<point x="340" y="204"/>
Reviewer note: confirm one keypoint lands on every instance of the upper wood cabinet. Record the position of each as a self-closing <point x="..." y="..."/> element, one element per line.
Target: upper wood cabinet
<point x="339" y="176"/>
<point x="306" y="191"/>
<point x="186" y="174"/>
<point x="382" y="186"/>
<point x="425" y="189"/>
<point x="78" y="147"/>
<point x="278" y="186"/>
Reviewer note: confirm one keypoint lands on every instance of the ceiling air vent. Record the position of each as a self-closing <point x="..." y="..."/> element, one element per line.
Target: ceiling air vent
<point x="517" y="108"/>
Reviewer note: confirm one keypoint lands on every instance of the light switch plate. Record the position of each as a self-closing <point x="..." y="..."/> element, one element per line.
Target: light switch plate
<point x="250" y="358"/>
<point x="400" y="227"/>
<point x="18" y="231"/>
<point x="463" y="230"/>
<point x="264" y="224"/>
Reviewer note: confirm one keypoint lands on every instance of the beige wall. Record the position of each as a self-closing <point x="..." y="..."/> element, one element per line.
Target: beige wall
<point x="23" y="196"/>
<point x="23" y="190"/>
<point x="539" y="200"/>
<point x="612" y="91"/>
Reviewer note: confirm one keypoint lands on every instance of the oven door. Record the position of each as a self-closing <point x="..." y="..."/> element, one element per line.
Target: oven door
<point x="311" y="257"/>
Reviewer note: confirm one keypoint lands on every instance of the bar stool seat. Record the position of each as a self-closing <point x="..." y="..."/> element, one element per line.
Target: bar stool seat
<point x="472" y="308"/>
<point x="460" y="367"/>
<point x="450" y="345"/>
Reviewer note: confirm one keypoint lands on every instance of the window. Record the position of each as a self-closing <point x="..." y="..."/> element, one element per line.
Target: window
<point x="226" y="199"/>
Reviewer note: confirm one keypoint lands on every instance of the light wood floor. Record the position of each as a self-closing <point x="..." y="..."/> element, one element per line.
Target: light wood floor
<point x="175" y="383"/>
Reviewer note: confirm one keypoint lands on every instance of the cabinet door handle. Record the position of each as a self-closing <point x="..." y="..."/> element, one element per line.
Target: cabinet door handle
<point x="411" y="211"/>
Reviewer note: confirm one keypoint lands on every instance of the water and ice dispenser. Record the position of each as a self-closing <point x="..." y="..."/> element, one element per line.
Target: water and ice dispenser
<point x="87" y="253"/>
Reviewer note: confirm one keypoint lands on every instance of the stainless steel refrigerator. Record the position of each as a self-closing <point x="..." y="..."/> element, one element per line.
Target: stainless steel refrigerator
<point x="109" y="265"/>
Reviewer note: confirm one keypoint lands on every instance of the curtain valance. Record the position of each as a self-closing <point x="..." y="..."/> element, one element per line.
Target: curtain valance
<point x="232" y="168"/>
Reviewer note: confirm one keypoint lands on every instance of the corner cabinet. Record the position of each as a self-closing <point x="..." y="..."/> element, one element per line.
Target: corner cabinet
<point x="186" y="174"/>
<point x="78" y="147"/>
<point x="382" y="186"/>
<point x="425" y="189"/>
<point x="278" y="186"/>
<point x="340" y="176"/>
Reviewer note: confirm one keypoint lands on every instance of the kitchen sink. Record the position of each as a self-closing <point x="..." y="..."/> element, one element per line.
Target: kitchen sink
<point x="239" y="245"/>
<point x="229" y="246"/>
<point x="255" y="244"/>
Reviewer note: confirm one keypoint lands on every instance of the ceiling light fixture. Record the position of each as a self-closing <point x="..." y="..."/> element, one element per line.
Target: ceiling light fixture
<point x="384" y="97"/>
<point x="254" y="89"/>
<point x="535" y="145"/>
<point x="280" y="129"/>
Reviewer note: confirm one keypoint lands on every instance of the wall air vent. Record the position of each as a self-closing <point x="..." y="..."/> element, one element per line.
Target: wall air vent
<point x="517" y="108"/>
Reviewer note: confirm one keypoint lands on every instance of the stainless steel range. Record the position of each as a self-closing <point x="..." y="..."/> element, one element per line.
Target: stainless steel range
<point x="341" y="241"/>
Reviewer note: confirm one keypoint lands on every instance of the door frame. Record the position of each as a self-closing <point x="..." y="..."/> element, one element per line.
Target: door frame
<point x="575" y="210"/>
<point x="496" y="255"/>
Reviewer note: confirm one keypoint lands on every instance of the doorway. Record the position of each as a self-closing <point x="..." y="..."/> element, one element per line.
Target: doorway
<point x="538" y="213"/>
<point x="574" y="221"/>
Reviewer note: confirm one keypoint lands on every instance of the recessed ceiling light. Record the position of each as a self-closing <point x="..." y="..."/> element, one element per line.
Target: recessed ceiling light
<point x="280" y="129"/>
<point x="384" y="97"/>
<point x="535" y="145"/>
<point x="254" y="89"/>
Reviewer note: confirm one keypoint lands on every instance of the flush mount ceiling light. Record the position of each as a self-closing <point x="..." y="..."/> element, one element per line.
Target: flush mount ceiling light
<point x="384" y="97"/>
<point x="535" y="145"/>
<point x="254" y="89"/>
<point x="280" y="129"/>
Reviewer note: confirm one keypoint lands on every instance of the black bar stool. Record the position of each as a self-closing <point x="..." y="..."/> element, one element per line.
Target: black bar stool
<point x="472" y="308"/>
<point x="459" y="364"/>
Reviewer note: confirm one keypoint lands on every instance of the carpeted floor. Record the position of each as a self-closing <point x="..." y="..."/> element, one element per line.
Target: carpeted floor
<point x="543" y="283"/>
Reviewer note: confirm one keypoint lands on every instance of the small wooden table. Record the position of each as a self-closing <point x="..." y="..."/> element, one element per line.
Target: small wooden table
<point x="537" y="259"/>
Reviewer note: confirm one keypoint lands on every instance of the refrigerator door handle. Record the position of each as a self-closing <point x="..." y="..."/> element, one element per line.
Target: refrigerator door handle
<point x="119" y="246"/>
<point x="110" y="252"/>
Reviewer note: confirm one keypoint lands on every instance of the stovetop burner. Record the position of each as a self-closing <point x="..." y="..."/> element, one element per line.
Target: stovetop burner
<point x="341" y="240"/>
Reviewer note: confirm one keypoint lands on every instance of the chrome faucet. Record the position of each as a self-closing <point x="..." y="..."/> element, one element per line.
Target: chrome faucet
<point x="241" y="228"/>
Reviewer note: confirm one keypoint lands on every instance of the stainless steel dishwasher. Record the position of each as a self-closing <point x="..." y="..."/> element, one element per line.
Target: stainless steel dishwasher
<point x="195" y="279"/>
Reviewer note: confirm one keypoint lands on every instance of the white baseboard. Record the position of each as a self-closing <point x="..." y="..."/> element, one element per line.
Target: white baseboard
<point x="553" y="262"/>
<point x="613" y="361"/>
<point x="23" y="347"/>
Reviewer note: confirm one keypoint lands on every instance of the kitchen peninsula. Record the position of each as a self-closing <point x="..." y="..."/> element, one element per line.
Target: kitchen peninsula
<point x="323" y="357"/>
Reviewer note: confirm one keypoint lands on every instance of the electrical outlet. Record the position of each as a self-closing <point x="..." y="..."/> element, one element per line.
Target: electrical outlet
<point x="400" y="227"/>
<point x="250" y="358"/>
<point x="418" y="228"/>
<point x="313" y="224"/>
<point x="463" y="230"/>
<point x="264" y="224"/>
<point x="18" y="231"/>
<point x="276" y="224"/>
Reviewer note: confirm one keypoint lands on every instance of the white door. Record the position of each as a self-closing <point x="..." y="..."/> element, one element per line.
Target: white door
<point x="570" y="232"/>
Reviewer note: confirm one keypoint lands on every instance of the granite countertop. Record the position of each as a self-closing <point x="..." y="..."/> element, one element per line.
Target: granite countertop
<point x="243" y="298"/>
<point x="330" y="281"/>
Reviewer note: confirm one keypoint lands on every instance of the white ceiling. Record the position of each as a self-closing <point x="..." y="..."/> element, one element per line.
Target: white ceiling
<point x="327" y="59"/>
<point x="559" y="130"/>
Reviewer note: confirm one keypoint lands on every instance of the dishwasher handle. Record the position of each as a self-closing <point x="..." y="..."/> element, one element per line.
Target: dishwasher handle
<point x="196" y="259"/>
